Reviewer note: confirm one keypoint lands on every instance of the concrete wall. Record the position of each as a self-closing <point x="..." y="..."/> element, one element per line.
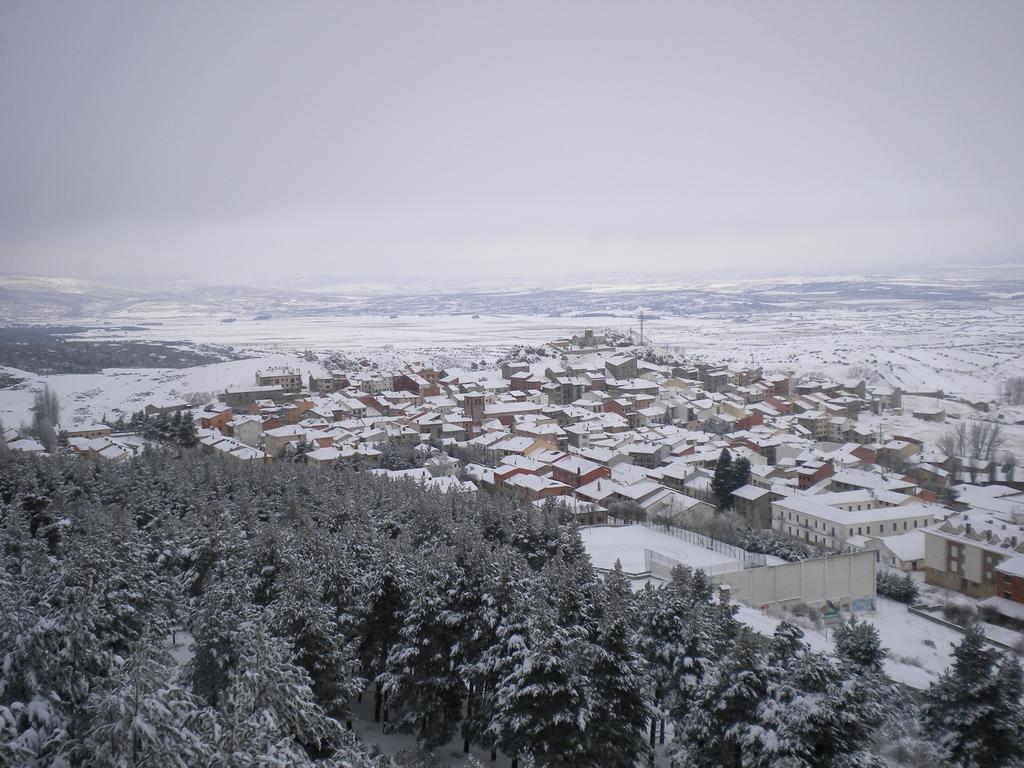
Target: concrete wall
<point x="841" y="579"/>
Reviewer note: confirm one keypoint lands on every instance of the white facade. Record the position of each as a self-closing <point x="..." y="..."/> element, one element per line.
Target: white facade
<point x="817" y="523"/>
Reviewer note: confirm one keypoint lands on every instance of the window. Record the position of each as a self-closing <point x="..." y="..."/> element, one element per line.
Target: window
<point x="858" y="531"/>
<point x="904" y="525"/>
<point x="915" y="523"/>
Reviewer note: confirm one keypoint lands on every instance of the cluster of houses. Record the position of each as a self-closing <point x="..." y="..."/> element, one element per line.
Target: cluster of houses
<point x="90" y="441"/>
<point x="610" y="434"/>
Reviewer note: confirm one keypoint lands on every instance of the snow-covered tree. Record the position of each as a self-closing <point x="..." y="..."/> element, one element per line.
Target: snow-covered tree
<point x="974" y="711"/>
<point x="620" y="680"/>
<point x="815" y="713"/>
<point x="318" y="639"/>
<point x="386" y="597"/>
<point x="421" y="674"/>
<point x="498" y="626"/>
<point x="725" y="710"/>
<point x="214" y="626"/>
<point x="144" y="717"/>
<point x="268" y="714"/>
<point x="544" y="702"/>
<point x="45" y="417"/>
<point x="187" y="436"/>
<point x="54" y="657"/>
<point x="684" y="633"/>
<point x="858" y="642"/>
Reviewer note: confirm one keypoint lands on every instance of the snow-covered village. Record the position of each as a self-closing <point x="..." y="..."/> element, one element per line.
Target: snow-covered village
<point x="841" y="516"/>
<point x="511" y="385"/>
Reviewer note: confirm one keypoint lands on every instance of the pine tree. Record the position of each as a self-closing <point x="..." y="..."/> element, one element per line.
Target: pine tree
<point x="269" y="714"/>
<point x="214" y="627"/>
<point x="1003" y="735"/>
<point x="498" y="619"/>
<point x="726" y="708"/>
<point x="544" y="704"/>
<point x="187" y="437"/>
<point x="684" y="633"/>
<point x="143" y="717"/>
<point x="159" y="427"/>
<point x="974" y="710"/>
<point x="787" y="644"/>
<point x="722" y="479"/>
<point x="858" y="642"/>
<point x="55" y="657"/>
<point x="301" y="449"/>
<point x="137" y="421"/>
<point x="420" y="675"/>
<point x="740" y="473"/>
<point x="815" y="713"/>
<point x="107" y="559"/>
<point x="386" y="597"/>
<point x="620" y="679"/>
<point x="318" y="638"/>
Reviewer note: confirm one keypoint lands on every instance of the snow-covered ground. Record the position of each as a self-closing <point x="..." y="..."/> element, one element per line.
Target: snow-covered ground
<point x="919" y="650"/>
<point x="961" y="347"/>
<point x="911" y="661"/>
<point x="88" y="397"/>
<point x="966" y="349"/>
<point x="606" y="544"/>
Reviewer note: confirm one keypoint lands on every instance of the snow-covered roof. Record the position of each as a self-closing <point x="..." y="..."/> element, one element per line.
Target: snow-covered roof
<point x="750" y="492"/>
<point x="1009" y="608"/>
<point x="1012" y="566"/>
<point x="808" y="505"/>
<point x="88" y="428"/>
<point x="576" y="464"/>
<point x="28" y="444"/>
<point x="907" y="546"/>
<point x="324" y="454"/>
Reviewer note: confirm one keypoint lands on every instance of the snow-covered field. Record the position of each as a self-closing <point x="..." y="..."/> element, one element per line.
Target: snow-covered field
<point x="88" y="397"/>
<point x="627" y="543"/>
<point x="966" y="349"/>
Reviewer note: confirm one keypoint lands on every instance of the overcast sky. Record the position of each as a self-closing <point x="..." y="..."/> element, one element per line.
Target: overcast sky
<point x="151" y="139"/>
